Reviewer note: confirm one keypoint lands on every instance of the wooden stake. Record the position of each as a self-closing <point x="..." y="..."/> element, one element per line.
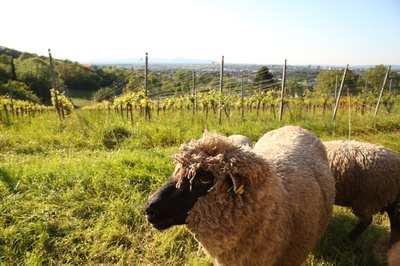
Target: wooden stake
<point x="282" y="91"/>
<point x="221" y="85"/>
<point x="380" y="94"/>
<point x="242" y="99"/>
<point x="146" y="70"/>
<point x="54" y="83"/>
<point x="221" y="78"/>
<point x="340" y="92"/>
<point x="194" y="104"/>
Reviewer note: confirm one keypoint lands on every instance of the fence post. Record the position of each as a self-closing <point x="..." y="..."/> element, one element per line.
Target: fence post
<point x="221" y="78"/>
<point x="194" y="103"/>
<point x="146" y="72"/>
<point x="380" y="94"/>
<point x="340" y="92"/>
<point x="242" y="99"/>
<point x="146" y="69"/>
<point x="221" y="85"/>
<point x="283" y="91"/>
<point x="336" y="82"/>
<point x="54" y="83"/>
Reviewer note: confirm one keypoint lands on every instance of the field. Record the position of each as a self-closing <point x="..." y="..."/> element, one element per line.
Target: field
<point x="72" y="192"/>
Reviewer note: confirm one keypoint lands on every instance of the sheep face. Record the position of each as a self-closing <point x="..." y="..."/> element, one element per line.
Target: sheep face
<point x="171" y="203"/>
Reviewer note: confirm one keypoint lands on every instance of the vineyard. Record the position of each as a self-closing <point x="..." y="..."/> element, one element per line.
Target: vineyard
<point x="18" y="107"/>
<point x="213" y="100"/>
<point x="73" y="181"/>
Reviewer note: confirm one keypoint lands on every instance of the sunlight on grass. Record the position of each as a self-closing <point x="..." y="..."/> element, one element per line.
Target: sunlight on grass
<point x="68" y="198"/>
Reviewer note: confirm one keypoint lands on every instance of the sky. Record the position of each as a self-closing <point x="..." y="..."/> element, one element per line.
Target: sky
<point x="322" y="32"/>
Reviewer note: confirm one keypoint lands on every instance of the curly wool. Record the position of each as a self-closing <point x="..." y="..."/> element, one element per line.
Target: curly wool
<point x="283" y="210"/>
<point x="241" y="140"/>
<point x="367" y="176"/>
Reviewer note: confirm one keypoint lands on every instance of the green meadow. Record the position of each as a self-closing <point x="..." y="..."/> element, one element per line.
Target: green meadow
<point x="72" y="192"/>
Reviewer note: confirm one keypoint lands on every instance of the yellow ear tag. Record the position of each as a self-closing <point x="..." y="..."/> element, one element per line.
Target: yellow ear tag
<point x="240" y="190"/>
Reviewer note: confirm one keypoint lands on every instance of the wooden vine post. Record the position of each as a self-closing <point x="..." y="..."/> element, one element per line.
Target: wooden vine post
<point x="283" y="91"/>
<point x="242" y="98"/>
<point x="146" y="82"/>
<point x="340" y="92"/>
<point x="380" y="94"/>
<point x="194" y="93"/>
<point x="221" y="85"/>
<point x="54" y="83"/>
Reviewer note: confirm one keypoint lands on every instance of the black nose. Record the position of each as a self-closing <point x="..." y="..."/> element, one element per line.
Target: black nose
<point x="151" y="209"/>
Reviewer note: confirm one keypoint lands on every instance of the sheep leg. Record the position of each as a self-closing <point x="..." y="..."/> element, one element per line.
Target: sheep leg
<point x="394" y="217"/>
<point x="360" y="228"/>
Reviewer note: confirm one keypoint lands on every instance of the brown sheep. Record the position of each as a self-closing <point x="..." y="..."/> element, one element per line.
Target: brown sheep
<point x="368" y="181"/>
<point x="261" y="206"/>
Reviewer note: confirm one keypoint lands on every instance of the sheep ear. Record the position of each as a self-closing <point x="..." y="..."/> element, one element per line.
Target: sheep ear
<point x="238" y="186"/>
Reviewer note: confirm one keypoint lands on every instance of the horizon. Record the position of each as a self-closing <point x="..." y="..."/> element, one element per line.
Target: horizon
<point x="137" y="61"/>
<point x="257" y="32"/>
<point x="193" y="61"/>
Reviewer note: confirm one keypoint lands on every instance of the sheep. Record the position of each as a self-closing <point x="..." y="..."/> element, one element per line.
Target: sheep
<point x="241" y="140"/>
<point x="368" y="181"/>
<point x="248" y="206"/>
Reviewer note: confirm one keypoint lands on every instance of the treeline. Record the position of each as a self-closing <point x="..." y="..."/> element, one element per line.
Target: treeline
<point x="26" y="76"/>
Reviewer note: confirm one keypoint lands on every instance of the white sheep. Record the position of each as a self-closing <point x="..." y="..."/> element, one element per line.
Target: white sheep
<point x="241" y="140"/>
<point x="368" y="181"/>
<point x="249" y="206"/>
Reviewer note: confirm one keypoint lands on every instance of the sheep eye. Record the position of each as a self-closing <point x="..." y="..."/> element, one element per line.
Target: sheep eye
<point x="205" y="180"/>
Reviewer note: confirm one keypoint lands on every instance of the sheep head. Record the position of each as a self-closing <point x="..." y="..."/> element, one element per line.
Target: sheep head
<point x="201" y="165"/>
<point x="171" y="203"/>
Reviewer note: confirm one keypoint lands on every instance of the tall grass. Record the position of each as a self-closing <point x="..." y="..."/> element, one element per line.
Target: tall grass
<point x="89" y="129"/>
<point x="73" y="191"/>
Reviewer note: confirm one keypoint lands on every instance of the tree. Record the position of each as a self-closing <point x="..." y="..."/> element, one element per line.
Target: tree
<point x="166" y="83"/>
<point x="328" y="80"/>
<point x="294" y="86"/>
<point x="5" y="68"/>
<point x="372" y="79"/>
<point x="102" y="94"/>
<point x="78" y="77"/>
<point x="230" y="84"/>
<point x="182" y="81"/>
<point x="18" y="90"/>
<point x="136" y="81"/>
<point x="154" y="80"/>
<point x="35" y="73"/>
<point x="10" y="52"/>
<point x="13" y="71"/>
<point x="371" y="83"/>
<point x="26" y="55"/>
<point x="263" y="78"/>
<point x="109" y="75"/>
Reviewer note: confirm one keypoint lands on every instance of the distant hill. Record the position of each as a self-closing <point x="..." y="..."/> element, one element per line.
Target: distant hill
<point x="10" y="52"/>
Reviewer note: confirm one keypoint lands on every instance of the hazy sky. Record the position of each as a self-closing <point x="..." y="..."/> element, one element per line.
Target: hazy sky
<point x="252" y="31"/>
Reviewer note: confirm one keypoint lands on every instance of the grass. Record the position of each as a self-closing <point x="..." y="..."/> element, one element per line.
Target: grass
<point x="80" y="98"/>
<point x="73" y="192"/>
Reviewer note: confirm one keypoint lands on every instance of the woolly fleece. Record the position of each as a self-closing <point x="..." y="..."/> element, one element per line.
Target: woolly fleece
<point x="367" y="176"/>
<point x="241" y="140"/>
<point x="284" y="209"/>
